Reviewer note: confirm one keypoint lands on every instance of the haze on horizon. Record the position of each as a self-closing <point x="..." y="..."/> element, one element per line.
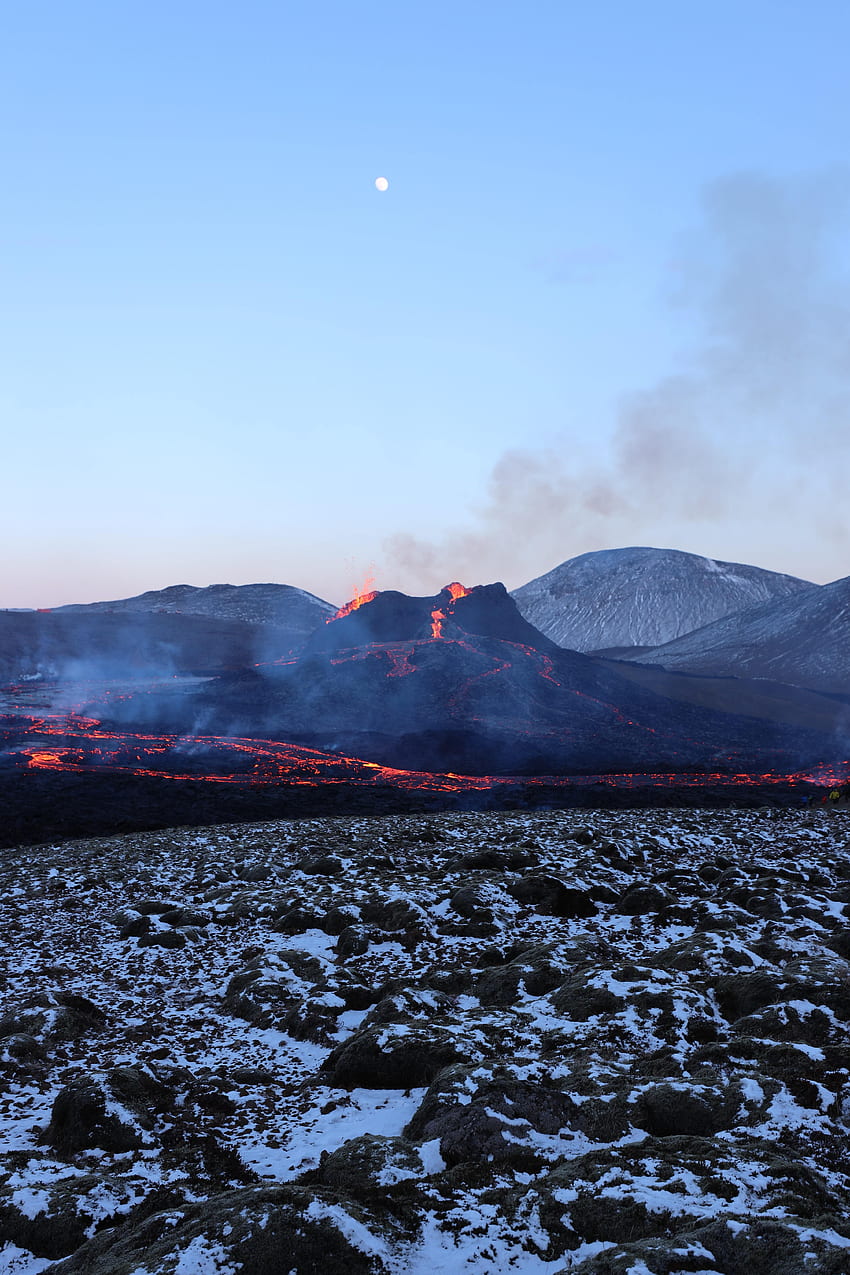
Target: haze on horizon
<point x="604" y="301"/>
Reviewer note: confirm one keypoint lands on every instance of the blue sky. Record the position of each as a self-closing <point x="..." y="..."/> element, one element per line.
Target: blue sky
<point x="227" y="357"/>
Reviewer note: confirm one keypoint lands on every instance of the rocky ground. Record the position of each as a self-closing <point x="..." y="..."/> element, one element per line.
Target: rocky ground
<point x="587" y="1042"/>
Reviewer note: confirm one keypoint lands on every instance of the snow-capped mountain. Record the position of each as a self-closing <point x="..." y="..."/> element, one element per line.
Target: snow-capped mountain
<point x="643" y="597"/>
<point x="278" y="604"/>
<point x="803" y="639"/>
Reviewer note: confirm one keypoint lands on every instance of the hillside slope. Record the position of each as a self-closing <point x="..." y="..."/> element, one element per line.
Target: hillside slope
<point x="86" y="645"/>
<point x="803" y="640"/>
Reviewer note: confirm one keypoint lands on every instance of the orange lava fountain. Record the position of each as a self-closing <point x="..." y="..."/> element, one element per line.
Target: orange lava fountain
<point x="362" y="594"/>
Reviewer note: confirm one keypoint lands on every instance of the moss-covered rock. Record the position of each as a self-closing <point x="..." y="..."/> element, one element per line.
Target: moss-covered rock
<point x="264" y="1230"/>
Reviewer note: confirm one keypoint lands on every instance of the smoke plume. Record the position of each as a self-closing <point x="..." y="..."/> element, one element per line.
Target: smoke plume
<point x="742" y="453"/>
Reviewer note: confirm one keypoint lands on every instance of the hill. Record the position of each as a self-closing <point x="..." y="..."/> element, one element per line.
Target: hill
<point x="280" y="605"/>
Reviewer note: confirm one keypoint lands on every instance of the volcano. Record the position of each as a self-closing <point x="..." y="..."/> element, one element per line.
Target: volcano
<point x="455" y="613"/>
<point x="461" y="682"/>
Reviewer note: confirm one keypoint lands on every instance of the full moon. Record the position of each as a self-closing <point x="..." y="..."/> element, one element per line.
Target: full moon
<point x="381" y="183"/>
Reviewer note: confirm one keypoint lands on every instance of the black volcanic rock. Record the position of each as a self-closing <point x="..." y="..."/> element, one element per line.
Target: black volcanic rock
<point x="84" y="1115"/>
<point x="490" y="611"/>
<point x="545" y="1095"/>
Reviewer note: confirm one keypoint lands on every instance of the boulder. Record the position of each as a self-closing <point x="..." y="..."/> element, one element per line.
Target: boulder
<point x="85" y="1114"/>
<point x="369" y="1164"/>
<point x="668" y="1110"/>
<point x="392" y="1057"/>
<point x="321" y="865"/>
<point x="549" y="895"/>
<point x="169" y="939"/>
<point x="353" y="941"/>
<point x="760" y="1246"/>
<point x="644" y="897"/>
<point x="584" y="995"/>
<point x="538" y="969"/>
<point x="337" y="919"/>
<point x="475" y="902"/>
<point x="261" y="1230"/>
<point x="392" y="915"/>
<point x="58" y="1211"/>
<point x="493" y="1122"/>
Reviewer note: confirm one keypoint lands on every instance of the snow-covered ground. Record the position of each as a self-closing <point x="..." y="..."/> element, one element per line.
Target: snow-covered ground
<point x="598" y="1042"/>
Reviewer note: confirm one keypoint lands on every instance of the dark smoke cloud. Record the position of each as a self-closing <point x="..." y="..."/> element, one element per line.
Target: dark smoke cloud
<point x="746" y="448"/>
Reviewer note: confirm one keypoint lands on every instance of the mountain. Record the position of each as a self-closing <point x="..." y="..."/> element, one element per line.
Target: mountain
<point x="281" y="605"/>
<point x="643" y="597"/>
<point x="803" y="640"/>
<point x="461" y="682"/>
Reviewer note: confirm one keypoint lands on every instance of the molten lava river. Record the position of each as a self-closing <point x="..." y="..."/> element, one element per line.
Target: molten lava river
<point x="43" y="739"/>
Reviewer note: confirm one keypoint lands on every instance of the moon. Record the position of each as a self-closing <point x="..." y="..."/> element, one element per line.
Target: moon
<point x="381" y="183"/>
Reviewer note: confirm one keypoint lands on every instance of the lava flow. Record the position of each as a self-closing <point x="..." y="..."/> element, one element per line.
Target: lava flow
<point x="82" y="745"/>
<point x="362" y="595"/>
<point x="455" y="591"/>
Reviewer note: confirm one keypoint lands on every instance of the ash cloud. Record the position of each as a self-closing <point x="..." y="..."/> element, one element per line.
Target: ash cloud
<point x="744" y="449"/>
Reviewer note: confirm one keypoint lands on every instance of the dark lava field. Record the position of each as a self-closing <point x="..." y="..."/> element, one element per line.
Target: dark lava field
<point x="603" y="1042"/>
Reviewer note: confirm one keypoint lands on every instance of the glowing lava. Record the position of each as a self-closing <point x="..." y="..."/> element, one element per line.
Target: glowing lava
<point x="77" y="744"/>
<point x="362" y="594"/>
<point x="229" y="760"/>
<point x="455" y="591"/>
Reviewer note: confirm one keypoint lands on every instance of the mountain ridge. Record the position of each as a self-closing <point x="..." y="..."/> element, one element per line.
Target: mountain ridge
<point x="283" y="605"/>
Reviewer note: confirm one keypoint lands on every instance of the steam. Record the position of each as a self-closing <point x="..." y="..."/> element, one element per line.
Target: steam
<point x="743" y="452"/>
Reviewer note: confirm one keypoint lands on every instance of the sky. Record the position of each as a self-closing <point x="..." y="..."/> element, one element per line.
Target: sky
<point x="604" y="301"/>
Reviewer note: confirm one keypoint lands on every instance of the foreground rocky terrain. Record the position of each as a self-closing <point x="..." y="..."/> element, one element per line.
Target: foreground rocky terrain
<point x="592" y="1042"/>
